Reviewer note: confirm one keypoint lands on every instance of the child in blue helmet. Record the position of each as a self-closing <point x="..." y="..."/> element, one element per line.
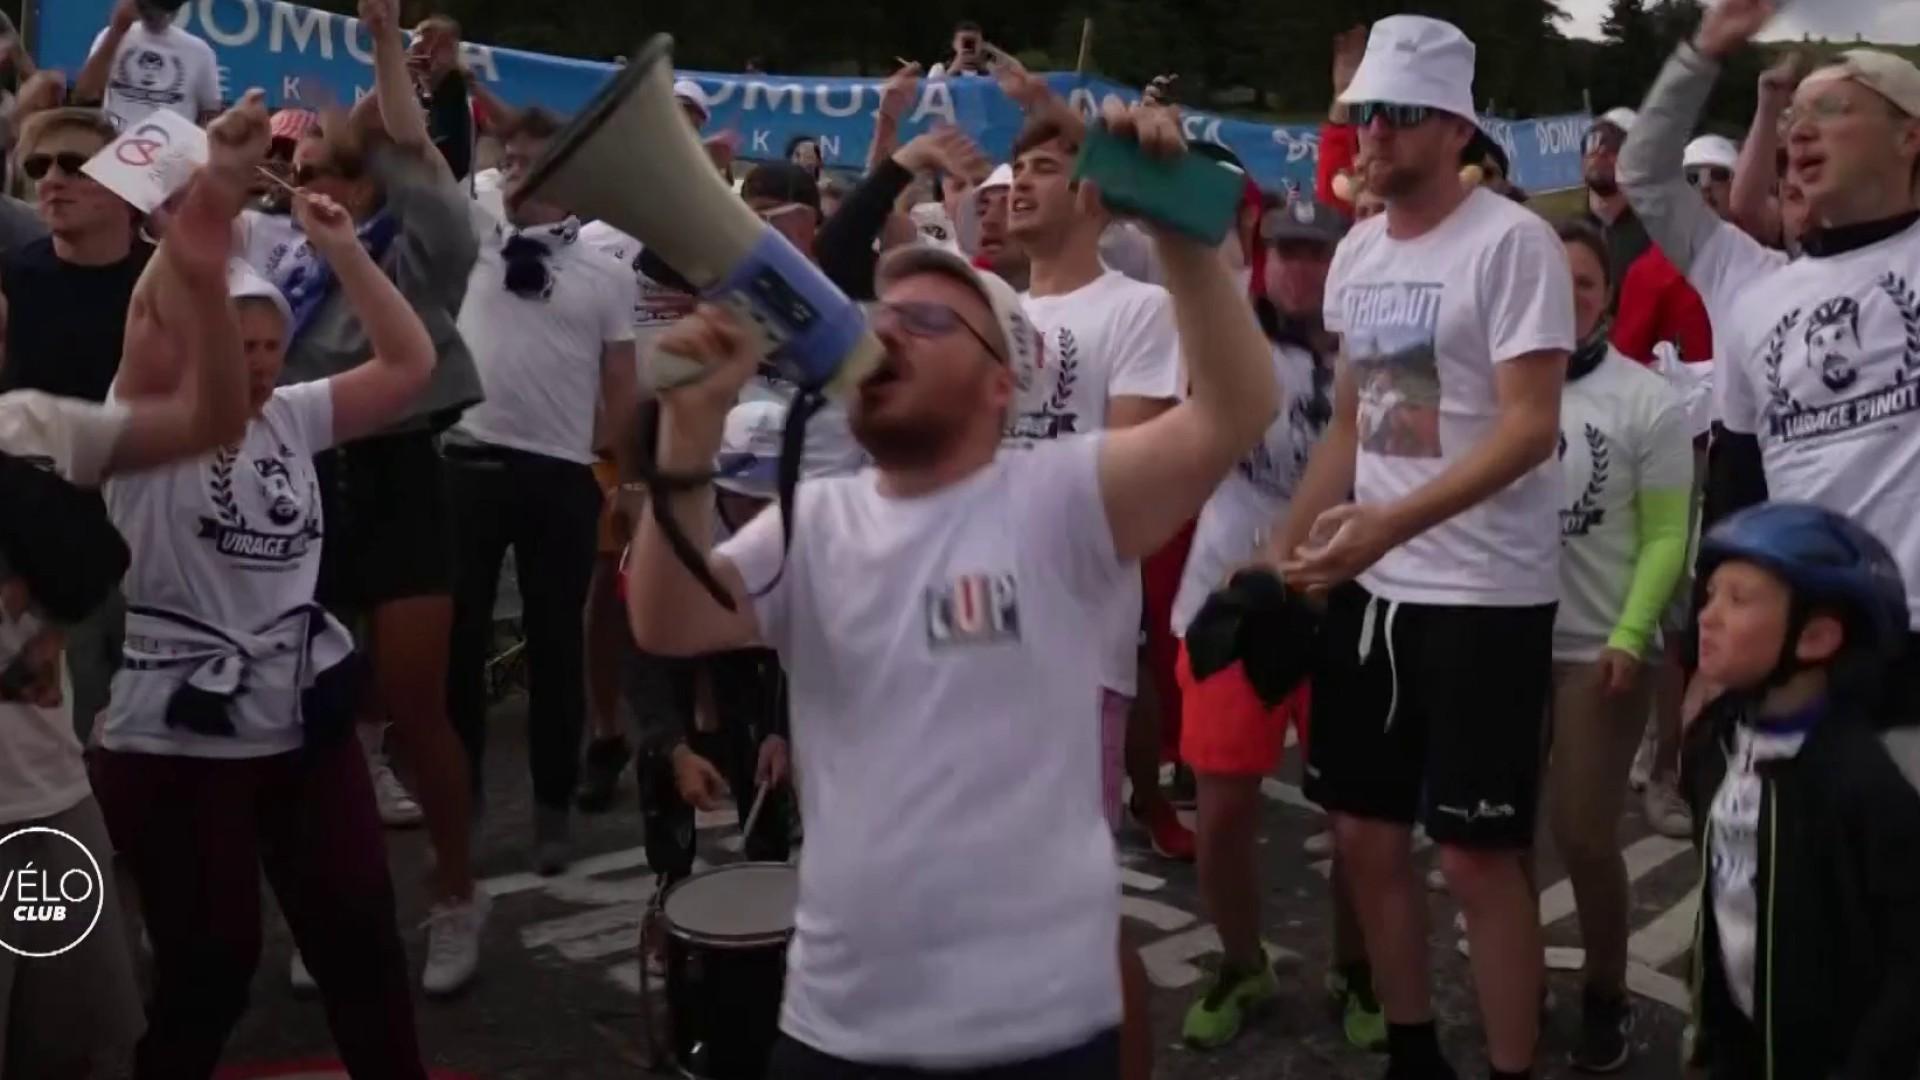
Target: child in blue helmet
<point x="1803" y="785"/>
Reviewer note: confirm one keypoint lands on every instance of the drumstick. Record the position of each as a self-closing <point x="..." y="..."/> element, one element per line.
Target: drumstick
<point x="753" y="815"/>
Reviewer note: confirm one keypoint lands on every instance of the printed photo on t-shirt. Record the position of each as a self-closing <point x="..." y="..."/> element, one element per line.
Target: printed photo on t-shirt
<point x="149" y="76"/>
<point x="1821" y="378"/>
<point x="1390" y="342"/>
<point x="264" y="515"/>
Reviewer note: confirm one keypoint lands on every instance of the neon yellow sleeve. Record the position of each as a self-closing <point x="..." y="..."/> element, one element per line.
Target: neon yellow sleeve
<point x="1660" y="558"/>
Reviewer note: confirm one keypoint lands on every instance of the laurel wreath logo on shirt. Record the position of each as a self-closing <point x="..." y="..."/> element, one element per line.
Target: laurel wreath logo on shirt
<point x="1908" y="305"/>
<point x="1776" y="355"/>
<point x="220" y="486"/>
<point x="1597" y="457"/>
<point x="1069" y="372"/>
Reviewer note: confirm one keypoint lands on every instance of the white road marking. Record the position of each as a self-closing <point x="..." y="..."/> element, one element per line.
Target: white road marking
<point x="1167" y="963"/>
<point x="1282" y="792"/>
<point x="1667" y="937"/>
<point x="609" y="863"/>
<point x="1643" y="857"/>
<point x="1162" y="917"/>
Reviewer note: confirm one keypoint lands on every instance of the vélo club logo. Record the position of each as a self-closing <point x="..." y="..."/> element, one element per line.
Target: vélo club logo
<point x="51" y="894"/>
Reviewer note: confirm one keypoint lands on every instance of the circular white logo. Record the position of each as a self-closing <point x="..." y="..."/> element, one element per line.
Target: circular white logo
<point x="51" y="893"/>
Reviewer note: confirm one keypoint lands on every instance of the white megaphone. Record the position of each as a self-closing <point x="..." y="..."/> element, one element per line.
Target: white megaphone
<point x="631" y="160"/>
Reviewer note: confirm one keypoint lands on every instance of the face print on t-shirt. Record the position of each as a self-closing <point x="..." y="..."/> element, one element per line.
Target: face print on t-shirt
<point x="1843" y="364"/>
<point x="1390" y="330"/>
<point x="150" y="76"/>
<point x="266" y="508"/>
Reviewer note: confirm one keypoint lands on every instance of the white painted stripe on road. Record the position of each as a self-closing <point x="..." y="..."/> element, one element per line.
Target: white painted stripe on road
<point x="1167" y="960"/>
<point x="600" y="946"/>
<point x="1643" y="857"/>
<point x="1162" y="917"/>
<point x="1667" y="937"/>
<point x="1660" y="987"/>
<point x="585" y="924"/>
<point x="1139" y="882"/>
<point x="626" y="976"/>
<point x="611" y="862"/>
<point x="1282" y="792"/>
<point x="600" y="893"/>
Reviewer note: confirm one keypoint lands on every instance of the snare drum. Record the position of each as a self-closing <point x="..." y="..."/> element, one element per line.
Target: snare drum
<point x="727" y="931"/>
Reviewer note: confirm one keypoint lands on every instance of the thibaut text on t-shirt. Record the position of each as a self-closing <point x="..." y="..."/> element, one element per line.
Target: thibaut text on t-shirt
<point x="1424" y="324"/>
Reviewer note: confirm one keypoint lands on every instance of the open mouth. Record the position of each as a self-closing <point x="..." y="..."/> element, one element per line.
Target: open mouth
<point x="1808" y="167"/>
<point x="886" y="374"/>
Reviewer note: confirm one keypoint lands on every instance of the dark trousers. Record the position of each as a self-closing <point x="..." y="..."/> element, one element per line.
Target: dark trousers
<point x="1098" y="1059"/>
<point x="548" y="512"/>
<point x="196" y="834"/>
<point x="749" y="696"/>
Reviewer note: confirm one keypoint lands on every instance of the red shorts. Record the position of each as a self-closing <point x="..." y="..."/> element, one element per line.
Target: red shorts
<point x="1227" y="730"/>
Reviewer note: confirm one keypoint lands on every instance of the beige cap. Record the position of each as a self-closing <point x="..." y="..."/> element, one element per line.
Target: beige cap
<point x="1888" y="75"/>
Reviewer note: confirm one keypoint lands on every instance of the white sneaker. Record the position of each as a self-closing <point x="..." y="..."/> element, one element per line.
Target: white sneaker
<point x="1642" y="772"/>
<point x="299" y="977"/>
<point x="453" y="943"/>
<point x="1667" y="812"/>
<point x="398" y="810"/>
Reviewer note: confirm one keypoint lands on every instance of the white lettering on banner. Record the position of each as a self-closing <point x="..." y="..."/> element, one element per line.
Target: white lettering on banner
<point x="774" y="95"/>
<point x="936" y="101"/>
<point x="224" y="76"/>
<point x="1560" y="136"/>
<point x="1199" y="128"/>
<point x="719" y="94"/>
<point x="824" y="101"/>
<point x="829" y="148"/>
<point x="761" y="141"/>
<point x="351" y="35"/>
<point x="217" y="34"/>
<point x="1300" y="146"/>
<point x="299" y="23"/>
<point x="289" y="88"/>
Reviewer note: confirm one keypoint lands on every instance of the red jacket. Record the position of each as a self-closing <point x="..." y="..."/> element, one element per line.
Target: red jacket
<point x="1339" y="146"/>
<point x="1656" y="305"/>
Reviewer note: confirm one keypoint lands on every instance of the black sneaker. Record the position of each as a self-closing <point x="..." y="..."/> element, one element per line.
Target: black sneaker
<point x="606" y="759"/>
<point x="1606" y="1029"/>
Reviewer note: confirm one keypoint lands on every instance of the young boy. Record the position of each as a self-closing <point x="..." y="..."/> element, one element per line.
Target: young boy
<point x="1803" y="783"/>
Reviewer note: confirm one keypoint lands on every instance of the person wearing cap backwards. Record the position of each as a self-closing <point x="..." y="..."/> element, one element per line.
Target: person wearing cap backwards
<point x="1821" y="371"/>
<point x="932" y="613"/>
<point x="79" y="1013"/>
<point x="550" y="323"/>
<point x="1229" y="738"/>
<point x="1110" y="359"/>
<point x="1455" y="311"/>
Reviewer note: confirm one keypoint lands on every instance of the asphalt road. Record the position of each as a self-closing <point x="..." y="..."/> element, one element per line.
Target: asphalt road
<point x="557" y="997"/>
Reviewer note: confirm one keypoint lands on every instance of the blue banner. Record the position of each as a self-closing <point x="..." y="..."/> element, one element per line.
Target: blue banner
<point x="301" y="55"/>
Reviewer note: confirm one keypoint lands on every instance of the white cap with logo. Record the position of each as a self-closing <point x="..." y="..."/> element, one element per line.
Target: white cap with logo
<point x="1020" y="341"/>
<point x="1414" y="60"/>
<point x="688" y="92"/>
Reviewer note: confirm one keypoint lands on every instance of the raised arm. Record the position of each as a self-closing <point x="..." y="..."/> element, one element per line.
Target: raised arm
<point x="90" y="86"/>
<point x="899" y="93"/>
<point x="400" y="111"/>
<point x="1758" y="170"/>
<point x="377" y="392"/>
<point x="181" y="307"/>
<point x="1154" y="477"/>
<point x="672" y="614"/>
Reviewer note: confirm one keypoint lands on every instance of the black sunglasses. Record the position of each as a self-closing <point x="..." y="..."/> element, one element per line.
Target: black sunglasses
<point x="1701" y="175"/>
<point x="36" y="166"/>
<point x="927" y="319"/>
<point x="1396" y="116"/>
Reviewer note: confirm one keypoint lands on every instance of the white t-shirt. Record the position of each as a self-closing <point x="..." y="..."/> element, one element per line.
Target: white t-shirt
<point x="265" y="241"/>
<point x="959" y="895"/>
<point x="1256" y="493"/>
<point x="1733" y="828"/>
<point x="170" y="70"/>
<point x="1113" y="337"/>
<point x="232" y="539"/>
<point x="539" y="358"/>
<point x="1723" y="267"/>
<point x="657" y="306"/>
<point x="41" y="773"/>
<point x="1425" y="322"/>
<point x="1622" y="432"/>
<point x="1823" y="367"/>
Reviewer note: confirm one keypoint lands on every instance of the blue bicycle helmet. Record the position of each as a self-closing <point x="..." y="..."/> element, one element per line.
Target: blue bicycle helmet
<point x="1827" y="560"/>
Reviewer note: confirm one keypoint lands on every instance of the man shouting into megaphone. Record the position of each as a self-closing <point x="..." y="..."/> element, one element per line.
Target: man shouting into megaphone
<point x="931" y="613"/>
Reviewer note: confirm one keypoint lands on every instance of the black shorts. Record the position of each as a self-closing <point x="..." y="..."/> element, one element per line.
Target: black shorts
<point x="389" y="522"/>
<point x="1438" y="716"/>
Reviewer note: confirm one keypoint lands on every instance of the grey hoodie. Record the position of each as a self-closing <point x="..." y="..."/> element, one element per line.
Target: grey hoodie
<point x="429" y="259"/>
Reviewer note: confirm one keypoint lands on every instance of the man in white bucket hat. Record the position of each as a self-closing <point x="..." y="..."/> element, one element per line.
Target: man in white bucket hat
<point x="1441" y="573"/>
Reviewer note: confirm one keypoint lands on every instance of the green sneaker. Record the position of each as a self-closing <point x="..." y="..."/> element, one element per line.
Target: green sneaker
<point x="1216" y="1019"/>
<point x="1357" y="1012"/>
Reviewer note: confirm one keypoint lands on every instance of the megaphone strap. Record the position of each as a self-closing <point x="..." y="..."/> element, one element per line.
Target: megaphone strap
<point x="661" y="487"/>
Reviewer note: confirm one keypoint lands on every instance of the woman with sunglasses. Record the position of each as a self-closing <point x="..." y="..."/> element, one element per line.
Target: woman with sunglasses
<point x="227" y="748"/>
